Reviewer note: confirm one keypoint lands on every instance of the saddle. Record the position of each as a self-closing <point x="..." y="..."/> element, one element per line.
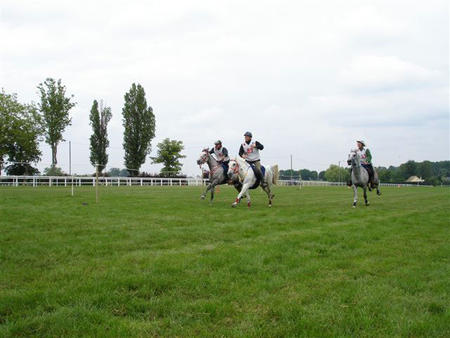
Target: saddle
<point x="258" y="181"/>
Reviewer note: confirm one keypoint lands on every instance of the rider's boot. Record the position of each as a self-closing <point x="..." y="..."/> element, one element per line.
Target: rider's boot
<point x="261" y="179"/>
<point x="371" y="181"/>
<point x="263" y="183"/>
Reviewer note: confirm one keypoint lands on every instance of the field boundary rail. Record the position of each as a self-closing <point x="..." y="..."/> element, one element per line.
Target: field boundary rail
<point x="55" y="181"/>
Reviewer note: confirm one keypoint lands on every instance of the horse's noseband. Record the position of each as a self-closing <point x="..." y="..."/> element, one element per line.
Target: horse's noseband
<point x="236" y="168"/>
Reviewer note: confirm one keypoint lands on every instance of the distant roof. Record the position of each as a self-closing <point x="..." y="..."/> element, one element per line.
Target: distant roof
<point x="415" y="179"/>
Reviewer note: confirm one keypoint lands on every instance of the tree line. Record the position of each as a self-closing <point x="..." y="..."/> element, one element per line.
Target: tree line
<point x="24" y="125"/>
<point x="433" y="173"/>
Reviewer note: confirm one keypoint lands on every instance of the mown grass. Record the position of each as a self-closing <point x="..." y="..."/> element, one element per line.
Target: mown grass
<point x="154" y="261"/>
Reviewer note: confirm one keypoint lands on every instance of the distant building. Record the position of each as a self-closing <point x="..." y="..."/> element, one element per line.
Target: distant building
<point x="415" y="179"/>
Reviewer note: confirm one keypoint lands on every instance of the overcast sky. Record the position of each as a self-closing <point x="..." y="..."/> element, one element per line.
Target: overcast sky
<point x="308" y="78"/>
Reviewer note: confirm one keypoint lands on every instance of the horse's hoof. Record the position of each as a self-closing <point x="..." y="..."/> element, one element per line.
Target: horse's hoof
<point x="234" y="205"/>
<point x="379" y="193"/>
<point x="202" y="197"/>
<point x="367" y="204"/>
<point x="354" y="204"/>
<point x="270" y="205"/>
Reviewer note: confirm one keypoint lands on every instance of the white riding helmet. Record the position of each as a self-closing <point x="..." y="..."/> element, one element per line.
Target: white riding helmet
<point x="362" y="142"/>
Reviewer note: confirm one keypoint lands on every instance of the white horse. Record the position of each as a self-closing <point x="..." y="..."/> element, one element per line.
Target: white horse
<point x="248" y="178"/>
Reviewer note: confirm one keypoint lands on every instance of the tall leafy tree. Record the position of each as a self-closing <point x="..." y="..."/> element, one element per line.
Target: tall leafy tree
<point x="384" y="174"/>
<point x="139" y="125"/>
<point x="20" y="133"/>
<point x="99" y="138"/>
<point x="425" y="169"/>
<point x="335" y="173"/>
<point x="408" y="169"/>
<point x="54" y="107"/>
<point x="322" y="175"/>
<point x="169" y="154"/>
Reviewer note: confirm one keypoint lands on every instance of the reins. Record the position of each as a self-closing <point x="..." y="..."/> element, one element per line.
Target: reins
<point x="205" y="159"/>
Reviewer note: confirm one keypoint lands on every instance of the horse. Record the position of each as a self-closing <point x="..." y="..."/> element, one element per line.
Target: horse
<point x="360" y="177"/>
<point x="216" y="174"/>
<point x="248" y="178"/>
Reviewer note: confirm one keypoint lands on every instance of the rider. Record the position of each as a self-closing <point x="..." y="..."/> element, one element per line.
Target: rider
<point x="250" y="152"/>
<point x="222" y="156"/>
<point x="366" y="159"/>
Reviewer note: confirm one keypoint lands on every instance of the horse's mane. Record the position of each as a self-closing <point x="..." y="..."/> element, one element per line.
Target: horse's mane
<point x="240" y="160"/>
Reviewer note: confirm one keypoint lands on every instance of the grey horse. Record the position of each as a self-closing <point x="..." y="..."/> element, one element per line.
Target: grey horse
<point x="216" y="174"/>
<point x="360" y="177"/>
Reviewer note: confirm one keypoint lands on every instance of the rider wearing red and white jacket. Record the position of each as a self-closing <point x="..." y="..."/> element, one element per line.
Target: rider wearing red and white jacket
<point x="250" y="152"/>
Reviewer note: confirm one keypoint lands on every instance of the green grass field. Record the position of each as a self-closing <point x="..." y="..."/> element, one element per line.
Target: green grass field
<point x="153" y="261"/>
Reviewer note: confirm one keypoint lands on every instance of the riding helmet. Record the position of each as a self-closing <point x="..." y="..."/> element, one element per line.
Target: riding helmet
<point x="249" y="134"/>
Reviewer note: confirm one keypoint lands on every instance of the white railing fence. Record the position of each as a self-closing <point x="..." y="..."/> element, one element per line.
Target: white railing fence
<point x="55" y="181"/>
<point x="52" y="181"/>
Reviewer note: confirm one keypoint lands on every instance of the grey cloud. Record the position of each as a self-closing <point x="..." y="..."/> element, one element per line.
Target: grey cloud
<point x="295" y="73"/>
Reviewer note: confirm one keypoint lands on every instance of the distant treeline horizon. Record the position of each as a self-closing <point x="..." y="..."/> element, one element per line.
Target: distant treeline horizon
<point x="434" y="173"/>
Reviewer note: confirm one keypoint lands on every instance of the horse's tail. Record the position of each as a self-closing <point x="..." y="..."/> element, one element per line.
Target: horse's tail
<point x="276" y="174"/>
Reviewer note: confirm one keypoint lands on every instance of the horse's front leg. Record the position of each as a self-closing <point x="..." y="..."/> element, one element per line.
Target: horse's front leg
<point x="355" y="195"/>
<point x="365" y="196"/>
<point x="243" y="191"/>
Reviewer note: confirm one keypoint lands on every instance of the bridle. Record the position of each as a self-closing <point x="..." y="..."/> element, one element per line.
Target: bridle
<point x="353" y="158"/>
<point x="236" y="168"/>
<point x="204" y="157"/>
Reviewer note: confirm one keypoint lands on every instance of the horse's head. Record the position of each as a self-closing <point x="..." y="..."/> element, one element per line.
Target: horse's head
<point x="353" y="157"/>
<point x="203" y="157"/>
<point x="233" y="168"/>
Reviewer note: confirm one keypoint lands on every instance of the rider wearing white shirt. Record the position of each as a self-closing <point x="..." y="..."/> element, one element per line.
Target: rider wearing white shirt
<point x="250" y="152"/>
<point x="222" y="155"/>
